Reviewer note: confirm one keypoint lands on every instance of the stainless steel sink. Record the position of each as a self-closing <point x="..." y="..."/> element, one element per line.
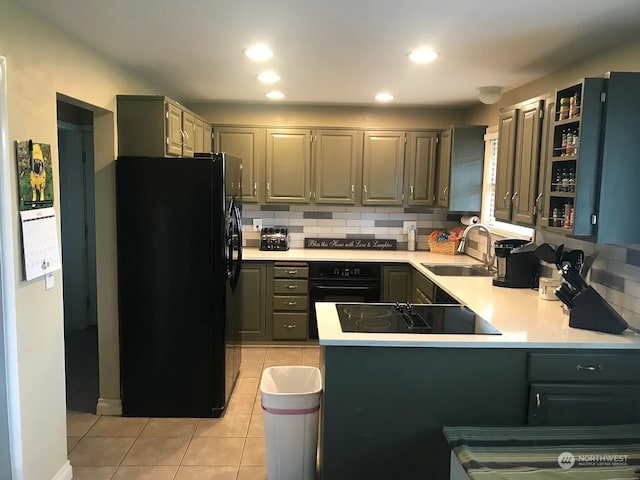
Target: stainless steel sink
<point x="447" y="270"/>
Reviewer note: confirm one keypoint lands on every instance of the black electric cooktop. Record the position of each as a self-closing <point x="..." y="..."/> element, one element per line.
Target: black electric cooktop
<point x="412" y="318"/>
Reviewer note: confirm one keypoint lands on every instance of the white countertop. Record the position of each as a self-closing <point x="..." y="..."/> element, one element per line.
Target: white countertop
<point x="524" y="320"/>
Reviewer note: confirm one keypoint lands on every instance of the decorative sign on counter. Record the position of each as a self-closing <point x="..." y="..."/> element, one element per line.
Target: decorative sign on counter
<point x="350" y="243"/>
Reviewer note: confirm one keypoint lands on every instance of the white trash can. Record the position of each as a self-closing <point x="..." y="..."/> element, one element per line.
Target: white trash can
<point x="291" y="403"/>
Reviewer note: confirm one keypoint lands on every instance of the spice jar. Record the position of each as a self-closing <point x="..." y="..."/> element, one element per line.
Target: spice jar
<point x="564" y="109"/>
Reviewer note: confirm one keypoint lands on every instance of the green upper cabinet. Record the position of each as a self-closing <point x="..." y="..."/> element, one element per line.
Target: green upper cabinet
<point x="154" y="125"/>
<point x="203" y="136"/>
<point x="383" y="167"/>
<point x="249" y="145"/>
<point x="421" y="168"/>
<point x="592" y="179"/>
<point x="189" y="133"/>
<point x="546" y="151"/>
<point x="527" y="162"/>
<point x="460" y="167"/>
<point x="519" y="137"/>
<point x="288" y="166"/>
<point x="504" y="166"/>
<point x="444" y="169"/>
<point x="336" y="160"/>
<point x="175" y="135"/>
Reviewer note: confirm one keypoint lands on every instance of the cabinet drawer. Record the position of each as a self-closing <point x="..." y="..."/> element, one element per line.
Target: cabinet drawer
<point x="587" y="367"/>
<point x="289" y="326"/>
<point x="290" y="272"/>
<point x="425" y="285"/>
<point x="290" y="302"/>
<point x="295" y="287"/>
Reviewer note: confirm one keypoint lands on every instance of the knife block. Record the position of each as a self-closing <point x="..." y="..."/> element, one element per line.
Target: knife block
<point x="592" y="312"/>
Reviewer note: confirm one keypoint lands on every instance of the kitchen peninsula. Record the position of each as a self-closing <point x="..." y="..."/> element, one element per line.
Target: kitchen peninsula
<point x="387" y="396"/>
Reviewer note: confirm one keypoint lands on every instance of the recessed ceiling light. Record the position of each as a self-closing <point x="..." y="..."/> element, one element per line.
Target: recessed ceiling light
<point x="275" y="95"/>
<point x="259" y="53"/>
<point x="384" y="97"/>
<point x="423" y="55"/>
<point x="269" y="76"/>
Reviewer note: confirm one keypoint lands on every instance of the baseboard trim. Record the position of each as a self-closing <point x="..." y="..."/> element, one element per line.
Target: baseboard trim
<point x="109" y="406"/>
<point x="65" y="473"/>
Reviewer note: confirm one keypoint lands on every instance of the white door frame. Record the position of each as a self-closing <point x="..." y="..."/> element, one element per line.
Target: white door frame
<point x="8" y="334"/>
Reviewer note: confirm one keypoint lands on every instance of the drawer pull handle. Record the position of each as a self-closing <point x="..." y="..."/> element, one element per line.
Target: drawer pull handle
<point x="537" y="401"/>
<point x="292" y="272"/>
<point x="292" y="287"/>
<point x="590" y="368"/>
<point x="291" y="304"/>
<point x="288" y="327"/>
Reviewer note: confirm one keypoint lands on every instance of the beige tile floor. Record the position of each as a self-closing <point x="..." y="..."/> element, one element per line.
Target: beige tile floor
<point x="229" y="448"/>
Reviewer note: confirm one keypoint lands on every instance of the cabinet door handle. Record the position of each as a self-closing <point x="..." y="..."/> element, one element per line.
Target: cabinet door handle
<point x="292" y="287"/>
<point x="291" y="304"/>
<point x="536" y="207"/>
<point x="514" y="199"/>
<point x="288" y="327"/>
<point x="444" y="192"/>
<point x="537" y="401"/>
<point x="505" y="199"/>
<point x="353" y="191"/>
<point x="411" y="192"/>
<point x="186" y="135"/>
<point x="365" y="189"/>
<point x="268" y="188"/>
<point x="255" y="189"/>
<point x="589" y="368"/>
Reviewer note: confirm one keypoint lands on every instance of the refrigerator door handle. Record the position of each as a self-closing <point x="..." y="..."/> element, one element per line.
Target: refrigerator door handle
<point x="237" y="226"/>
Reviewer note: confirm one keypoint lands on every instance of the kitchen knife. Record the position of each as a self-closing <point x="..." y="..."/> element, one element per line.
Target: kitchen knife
<point x="546" y="253"/>
<point x="565" y="297"/>
<point x="576" y="259"/>
<point x="558" y="260"/>
<point x="587" y="264"/>
<point x="571" y="275"/>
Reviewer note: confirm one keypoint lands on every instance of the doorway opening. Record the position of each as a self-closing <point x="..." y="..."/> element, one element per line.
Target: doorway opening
<point x="77" y="219"/>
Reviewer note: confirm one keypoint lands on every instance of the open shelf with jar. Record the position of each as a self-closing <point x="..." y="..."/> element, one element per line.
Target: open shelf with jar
<point x="572" y="162"/>
<point x="591" y="173"/>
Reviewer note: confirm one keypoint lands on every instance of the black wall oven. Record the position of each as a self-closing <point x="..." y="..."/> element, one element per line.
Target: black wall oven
<point x="341" y="282"/>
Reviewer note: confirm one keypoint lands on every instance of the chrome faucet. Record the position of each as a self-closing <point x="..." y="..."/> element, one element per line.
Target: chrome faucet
<point x="488" y="257"/>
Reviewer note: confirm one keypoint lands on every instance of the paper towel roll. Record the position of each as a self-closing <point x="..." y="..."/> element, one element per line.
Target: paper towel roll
<point x="470" y="219"/>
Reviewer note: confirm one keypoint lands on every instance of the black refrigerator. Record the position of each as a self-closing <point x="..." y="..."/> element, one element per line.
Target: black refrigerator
<point x="179" y="258"/>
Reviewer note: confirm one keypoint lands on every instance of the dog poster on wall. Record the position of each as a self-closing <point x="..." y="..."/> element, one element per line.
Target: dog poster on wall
<point x="35" y="177"/>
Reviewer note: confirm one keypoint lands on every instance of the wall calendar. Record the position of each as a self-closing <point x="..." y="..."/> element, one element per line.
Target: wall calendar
<point x="40" y="242"/>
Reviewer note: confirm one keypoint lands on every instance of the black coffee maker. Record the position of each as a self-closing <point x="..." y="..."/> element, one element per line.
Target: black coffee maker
<point x="517" y="264"/>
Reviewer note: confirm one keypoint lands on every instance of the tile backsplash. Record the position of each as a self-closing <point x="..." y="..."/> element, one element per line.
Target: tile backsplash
<point x="309" y="221"/>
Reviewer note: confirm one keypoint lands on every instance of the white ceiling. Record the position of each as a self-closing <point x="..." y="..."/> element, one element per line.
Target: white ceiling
<point x="345" y="51"/>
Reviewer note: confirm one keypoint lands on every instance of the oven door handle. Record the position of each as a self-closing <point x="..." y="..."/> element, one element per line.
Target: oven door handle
<point x="358" y="288"/>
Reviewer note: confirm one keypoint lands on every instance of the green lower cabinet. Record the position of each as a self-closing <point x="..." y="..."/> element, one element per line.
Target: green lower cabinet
<point x="583" y="404"/>
<point x="396" y="283"/>
<point x="252" y="287"/>
<point x="290" y="325"/>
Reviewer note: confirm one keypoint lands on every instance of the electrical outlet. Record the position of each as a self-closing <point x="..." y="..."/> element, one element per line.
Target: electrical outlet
<point x="257" y="224"/>
<point x="406" y="226"/>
